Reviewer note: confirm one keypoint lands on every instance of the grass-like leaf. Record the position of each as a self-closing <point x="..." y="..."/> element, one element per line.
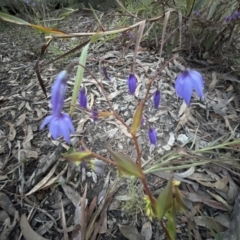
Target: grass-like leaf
<point x="79" y="77"/>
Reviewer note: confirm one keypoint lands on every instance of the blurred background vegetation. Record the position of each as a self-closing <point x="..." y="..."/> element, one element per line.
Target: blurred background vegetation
<point x="203" y="30"/>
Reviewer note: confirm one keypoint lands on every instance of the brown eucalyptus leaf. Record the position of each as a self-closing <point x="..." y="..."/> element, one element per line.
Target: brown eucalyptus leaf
<point x="146" y="231"/>
<point x="130" y="232"/>
<point x="27" y="231"/>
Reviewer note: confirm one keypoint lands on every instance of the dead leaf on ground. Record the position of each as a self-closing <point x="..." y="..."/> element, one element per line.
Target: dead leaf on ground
<point x="29" y="136"/>
<point x="211" y="203"/>
<point x="12" y="131"/>
<point x="220" y="184"/>
<point x="27" y="231"/>
<point x="146" y="231"/>
<point x="129" y="232"/>
<point x="232" y="191"/>
<point x="72" y="194"/>
<point x="209" y="223"/>
<point x="44" y="181"/>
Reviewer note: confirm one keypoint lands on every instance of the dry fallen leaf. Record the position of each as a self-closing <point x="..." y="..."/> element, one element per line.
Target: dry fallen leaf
<point x="213" y="82"/>
<point x="72" y="194"/>
<point x="44" y="181"/>
<point x="12" y="131"/>
<point x="29" y="136"/>
<point x="146" y="231"/>
<point x="232" y="191"/>
<point x="21" y="119"/>
<point x="220" y="184"/>
<point x="27" y="231"/>
<point x="130" y="232"/>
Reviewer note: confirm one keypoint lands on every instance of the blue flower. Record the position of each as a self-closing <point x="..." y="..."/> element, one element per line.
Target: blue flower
<point x="188" y="81"/>
<point x="196" y="13"/>
<point x="233" y="17"/>
<point x="58" y="91"/>
<point x="105" y="73"/>
<point x="59" y="125"/>
<point x="152" y="135"/>
<point x="132" y="83"/>
<point x="156" y="99"/>
<point x="82" y="98"/>
<point x="95" y="114"/>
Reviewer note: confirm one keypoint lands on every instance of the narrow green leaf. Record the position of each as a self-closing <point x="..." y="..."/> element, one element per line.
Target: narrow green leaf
<point x="77" y="156"/>
<point x="180" y="206"/>
<point x="199" y="4"/>
<point x="189" y="5"/>
<point x="80" y="71"/>
<point x="79" y="77"/>
<point x="164" y="201"/>
<point x="212" y="10"/>
<point x="175" y="39"/>
<point x="137" y="118"/>
<point x="210" y="39"/>
<point x="96" y="37"/>
<point x="126" y="165"/>
<point x="171" y="223"/>
<point x="10" y="18"/>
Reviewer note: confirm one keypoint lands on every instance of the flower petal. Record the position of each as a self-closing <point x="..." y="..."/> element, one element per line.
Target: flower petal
<point x="156" y="99"/>
<point x="68" y="122"/>
<point x="58" y="92"/>
<point x="64" y="131"/>
<point x="132" y="83"/>
<point x="183" y="87"/>
<point x="152" y="135"/>
<point x="46" y="121"/>
<point x="197" y="83"/>
<point x="82" y="97"/>
<point x="54" y="128"/>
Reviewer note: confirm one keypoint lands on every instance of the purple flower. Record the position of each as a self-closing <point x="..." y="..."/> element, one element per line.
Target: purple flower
<point x="196" y="13"/>
<point x="95" y="114"/>
<point x="132" y="83"/>
<point x="105" y="73"/>
<point x="59" y="124"/>
<point x="156" y="99"/>
<point x="58" y="92"/>
<point x="152" y="135"/>
<point x="228" y="19"/>
<point x="233" y="17"/>
<point x="82" y="97"/>
<point x="188" y="81"/>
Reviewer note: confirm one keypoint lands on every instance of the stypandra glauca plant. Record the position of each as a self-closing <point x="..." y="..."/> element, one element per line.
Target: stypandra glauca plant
<point x="170" y="201"/>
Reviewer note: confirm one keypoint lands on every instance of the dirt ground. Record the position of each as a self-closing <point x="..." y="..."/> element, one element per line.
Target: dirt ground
<point x="40" y="192"/>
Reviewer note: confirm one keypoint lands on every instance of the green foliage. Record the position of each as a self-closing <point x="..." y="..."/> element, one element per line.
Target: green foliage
<point x="134" y="204"/>
<point x="197" y="26"/>
<point x="79" y="77"/>
<point x="125" y="165"/>
<point x="164" y="201"/>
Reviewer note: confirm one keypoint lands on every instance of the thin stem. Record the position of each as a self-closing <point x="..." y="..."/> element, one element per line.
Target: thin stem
<point x="139" y="160"/>
<point x="148" y="191"/>
<point x="106" y="160"/>
<point x="164" y="229"/>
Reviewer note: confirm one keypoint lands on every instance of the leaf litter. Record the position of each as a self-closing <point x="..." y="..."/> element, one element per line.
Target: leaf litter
<point x="51" y="189"/>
